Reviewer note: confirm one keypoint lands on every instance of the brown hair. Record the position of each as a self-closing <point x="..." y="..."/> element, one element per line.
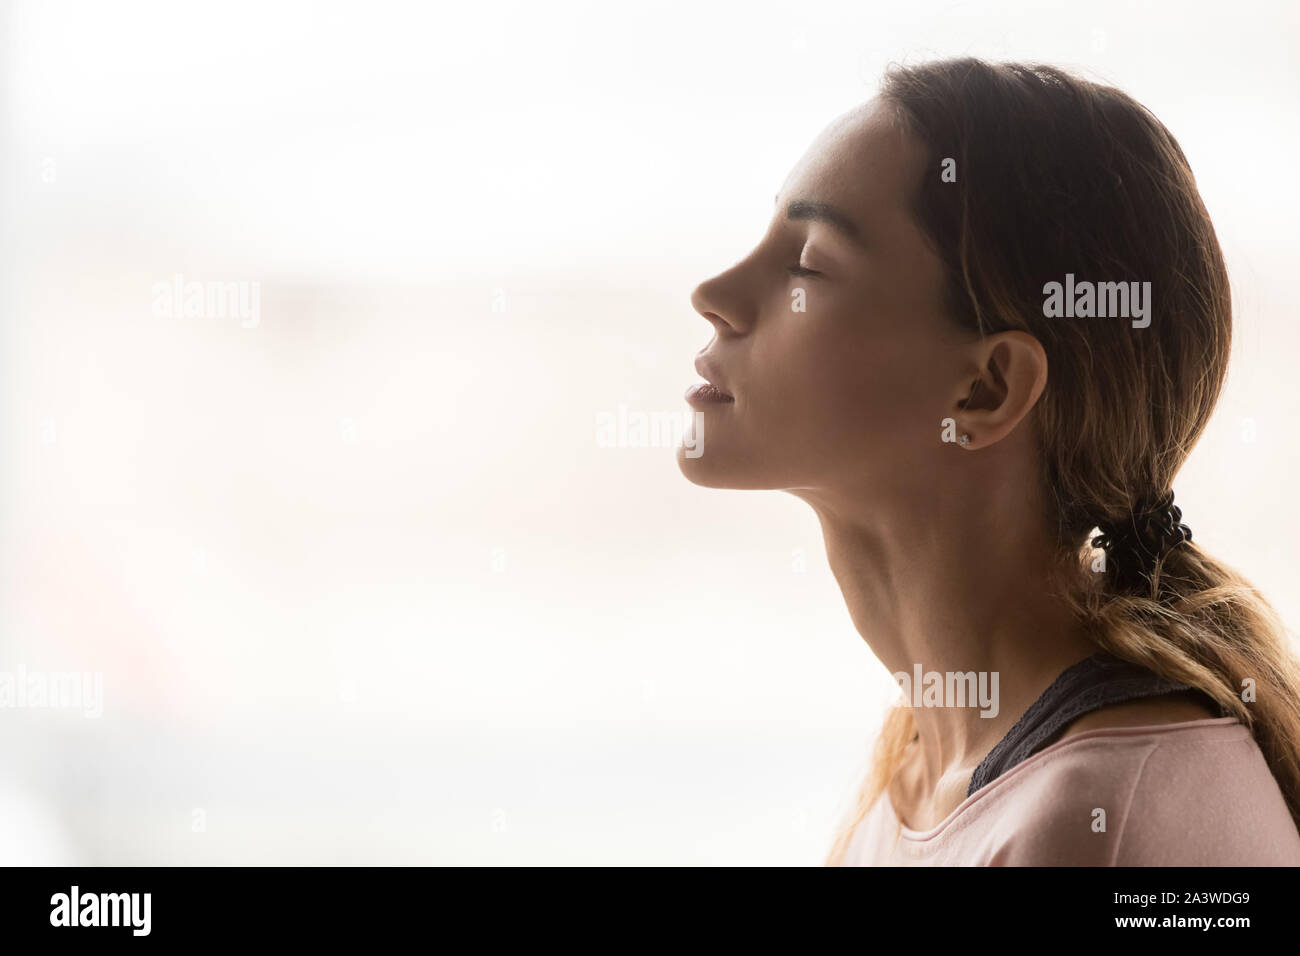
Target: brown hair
<point x="1057" y="175"/>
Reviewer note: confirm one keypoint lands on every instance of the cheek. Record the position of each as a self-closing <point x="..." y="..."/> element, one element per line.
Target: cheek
<point x="833" y="382"/>
<point x="836" y="365"/>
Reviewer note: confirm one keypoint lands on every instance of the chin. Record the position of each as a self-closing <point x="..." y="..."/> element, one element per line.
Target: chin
<point x="716" y="469"/>
<point x="699" y="472"/>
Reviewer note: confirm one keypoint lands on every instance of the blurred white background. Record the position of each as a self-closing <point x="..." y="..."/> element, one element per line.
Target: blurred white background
<point x="360" y="580"/>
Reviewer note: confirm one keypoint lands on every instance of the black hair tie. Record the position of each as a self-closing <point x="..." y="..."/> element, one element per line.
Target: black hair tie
<point x="1138" y="541"/>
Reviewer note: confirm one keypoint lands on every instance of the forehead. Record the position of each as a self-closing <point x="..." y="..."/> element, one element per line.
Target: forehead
<point x="862" y="162"/>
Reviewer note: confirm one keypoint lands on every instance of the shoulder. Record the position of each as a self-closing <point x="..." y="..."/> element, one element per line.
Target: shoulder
<point x="1187" y="794"/>
<point x="1148" y="711"/>
<point x="1208" y="798"/>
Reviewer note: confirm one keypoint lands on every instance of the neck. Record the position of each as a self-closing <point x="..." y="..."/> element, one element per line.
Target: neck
<point x="953" y="589"/>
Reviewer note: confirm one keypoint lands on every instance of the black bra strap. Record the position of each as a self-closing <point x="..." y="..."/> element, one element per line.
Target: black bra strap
<point x="1098" y="681"/>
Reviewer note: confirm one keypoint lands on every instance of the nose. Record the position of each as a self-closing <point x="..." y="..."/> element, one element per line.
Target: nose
<point x="716" y="300"/>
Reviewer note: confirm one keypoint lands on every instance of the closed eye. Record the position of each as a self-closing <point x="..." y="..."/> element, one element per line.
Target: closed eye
<point x="801" y="271"/>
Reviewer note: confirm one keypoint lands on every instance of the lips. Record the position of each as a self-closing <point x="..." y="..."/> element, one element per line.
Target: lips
<point x="715" y="390"/>
<point x="707" y="395"/>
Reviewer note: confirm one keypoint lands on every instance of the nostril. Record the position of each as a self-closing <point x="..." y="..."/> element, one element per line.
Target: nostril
<point x="720" y="324"/>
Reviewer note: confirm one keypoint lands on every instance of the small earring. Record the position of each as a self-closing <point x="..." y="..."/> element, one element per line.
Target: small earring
<point x="964" y="440"/>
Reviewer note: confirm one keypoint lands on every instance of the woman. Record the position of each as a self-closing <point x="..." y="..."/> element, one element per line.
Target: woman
<point x="987" y="324"/>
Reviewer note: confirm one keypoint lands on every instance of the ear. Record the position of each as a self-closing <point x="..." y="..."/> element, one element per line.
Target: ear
<point x="1007" y="375"/>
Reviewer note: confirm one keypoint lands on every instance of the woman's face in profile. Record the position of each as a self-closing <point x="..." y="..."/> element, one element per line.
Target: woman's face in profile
<point x="830" y="335"/>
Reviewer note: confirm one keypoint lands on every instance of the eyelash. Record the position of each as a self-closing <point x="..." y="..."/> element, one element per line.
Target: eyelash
<point x="801" y="271"/>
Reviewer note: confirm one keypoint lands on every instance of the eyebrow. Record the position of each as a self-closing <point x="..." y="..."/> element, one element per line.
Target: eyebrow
<point x="800" y="209"/>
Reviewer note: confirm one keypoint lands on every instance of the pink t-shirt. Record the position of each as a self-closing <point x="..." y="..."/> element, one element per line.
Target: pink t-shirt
<point x="1197" y="793"/>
